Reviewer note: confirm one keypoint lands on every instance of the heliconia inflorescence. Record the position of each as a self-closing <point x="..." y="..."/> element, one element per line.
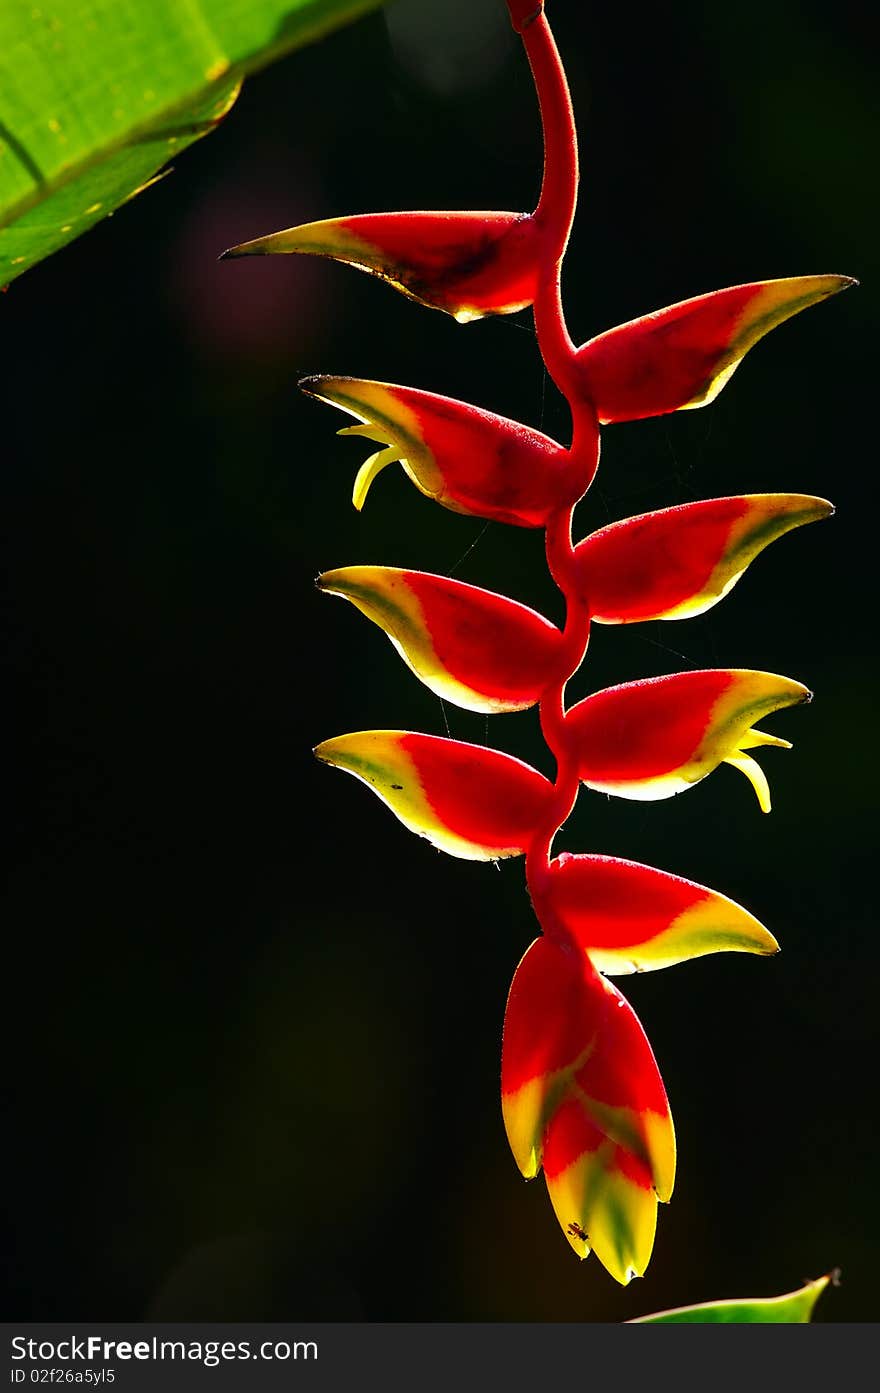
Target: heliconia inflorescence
<point x="582" y="1096"/>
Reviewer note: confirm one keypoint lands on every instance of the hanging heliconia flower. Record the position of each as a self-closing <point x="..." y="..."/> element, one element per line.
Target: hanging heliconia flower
<point x="581" y="1092"/>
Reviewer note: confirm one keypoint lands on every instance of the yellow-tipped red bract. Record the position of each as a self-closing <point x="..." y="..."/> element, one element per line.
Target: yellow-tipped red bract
<point x="680" y="561"/>
<point x="634" y="918"/>
<point x="582" y="1097"/>
<point x="470" y="801"/>
<point x="654" y="738"/>
<point x="468" y="264"/>
<point x="479" y="650"/>
<point x="680" y="357"/>
<point x="470" y="460"/>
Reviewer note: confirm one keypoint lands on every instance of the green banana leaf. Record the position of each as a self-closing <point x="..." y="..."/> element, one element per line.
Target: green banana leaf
<point x="796" y="1308"/>
<point x="97" y="95"/>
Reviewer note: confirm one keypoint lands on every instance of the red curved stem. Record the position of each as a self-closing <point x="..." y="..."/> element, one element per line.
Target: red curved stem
<point x="558" y="199"/>
<point x="555" y="212"/>
<point x="560" y="559"/>
<point x="557" y="348"/>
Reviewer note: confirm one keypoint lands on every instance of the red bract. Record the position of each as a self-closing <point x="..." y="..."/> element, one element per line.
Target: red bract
<point x="470" y="460"/>
<point x="478" y="650"/>
<point x="681" y="357"/>
<point x="472" y="802"/>
<point x="651" y="739"/>
<point x="680" y="561"/>
<point x="633" y="918"/>
<point x="468" y="264"/>
<point x="582" y="1095"/>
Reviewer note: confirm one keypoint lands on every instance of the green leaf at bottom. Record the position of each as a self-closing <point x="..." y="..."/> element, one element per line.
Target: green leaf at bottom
<point x="796" y="1308"/>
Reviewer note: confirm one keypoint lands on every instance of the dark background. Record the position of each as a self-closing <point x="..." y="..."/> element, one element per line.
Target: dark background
<point x="255" y="1022"/>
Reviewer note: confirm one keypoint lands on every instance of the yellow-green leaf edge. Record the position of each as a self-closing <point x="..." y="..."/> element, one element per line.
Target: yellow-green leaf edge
<point x="97" y="95"/>
<point x="795" y="1308"/>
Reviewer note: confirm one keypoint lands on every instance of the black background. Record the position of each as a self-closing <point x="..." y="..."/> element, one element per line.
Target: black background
<point x="256" y="1023"/>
